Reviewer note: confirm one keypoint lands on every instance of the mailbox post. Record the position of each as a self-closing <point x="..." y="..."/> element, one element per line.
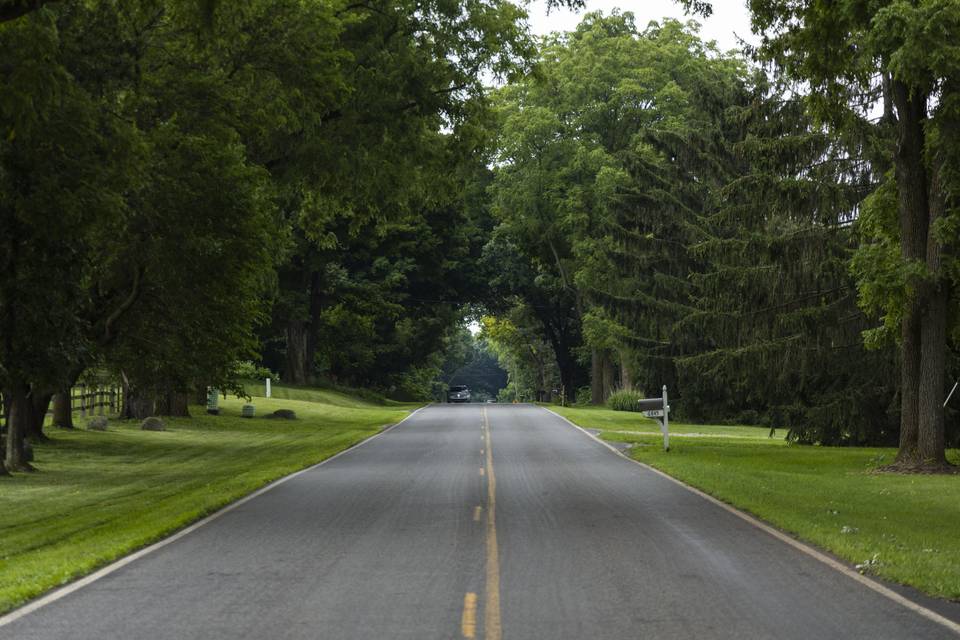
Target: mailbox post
<point x="659" y="409"/>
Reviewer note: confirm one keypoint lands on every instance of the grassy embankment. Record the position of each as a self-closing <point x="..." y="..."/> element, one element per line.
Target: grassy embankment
<point x="100" y="495"/>
<point x="904" y="528"/>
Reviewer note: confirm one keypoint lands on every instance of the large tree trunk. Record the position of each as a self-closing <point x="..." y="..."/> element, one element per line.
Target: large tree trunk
<point x="63" y="409"/>
<point x="39" y="403"/>
<point x="609" y="375"/>
<point x="566" y="363"/>
<point x="568" y="373"/>
<point x="626" y="380"/>
<point x="931" y="447"/>
<point x="17" y="425"/>
<point x="5" y="410"/>
<point x="137" y="404"/>
<point x="914" y="216"/>
<point x="933" y="331"/>
<point x="295" y="371"/>
<point x="596" y="377"/>
<point x="313" y="324"/>
<point x="173" y="403"/>
<point x="909" y="387"/>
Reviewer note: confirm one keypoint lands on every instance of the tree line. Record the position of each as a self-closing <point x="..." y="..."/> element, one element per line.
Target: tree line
<point x="186" y="184"/>
<point x="771" y="233"/>
<point x="324" y="185"/>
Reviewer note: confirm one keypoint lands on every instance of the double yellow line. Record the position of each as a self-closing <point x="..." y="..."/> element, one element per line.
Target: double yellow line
<point x="491" y="612"/>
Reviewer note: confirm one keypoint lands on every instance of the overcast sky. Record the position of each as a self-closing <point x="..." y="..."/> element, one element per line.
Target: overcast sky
<point x="730" y="18"/>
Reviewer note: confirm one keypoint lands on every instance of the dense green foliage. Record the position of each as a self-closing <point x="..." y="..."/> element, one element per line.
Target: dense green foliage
<point x="328" y="189"/>
<point x="700" y="225"/>
<point x="858" y="58"/>
<point x="173" y="173"/>
<point x="625" y="400"/>
<point x="775" y="296"/>
<point x="666" y="186"/>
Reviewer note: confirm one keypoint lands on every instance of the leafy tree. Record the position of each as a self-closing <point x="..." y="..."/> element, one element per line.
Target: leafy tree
<point x="608" y="157"/>
<point x="416" y="71"/>
<point x="517" y="342"/>
<point x="64" y="170"/>
<point x="855" y="55"/>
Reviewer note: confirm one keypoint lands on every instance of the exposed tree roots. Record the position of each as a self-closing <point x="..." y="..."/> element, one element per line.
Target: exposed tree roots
<point x="919" y="467"/>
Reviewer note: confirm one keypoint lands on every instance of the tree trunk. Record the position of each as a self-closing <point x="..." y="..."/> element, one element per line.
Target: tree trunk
<point x="609" y="375"/>
<point x="313" y="324"/>
<point x="914" y="215"/>
<point x="63" y="409"/>
<point x="626" y="380"/>
<point x="137" y="404"/>
<point x="5" y="411"/>
<point x="17" y="424"/>
<point x="931" y="445"/>
<point x="173" y="403"/>
<point x="596" y="377"/>
<point x="38" y="403"/>
<point x="933" y="333"/>
<point x="295" y="371"/>
<point x="908" y="454"/>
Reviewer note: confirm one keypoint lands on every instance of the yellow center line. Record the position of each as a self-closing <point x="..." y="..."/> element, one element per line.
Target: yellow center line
<point x="491" y="611"/>
<point x="468" y="622"/>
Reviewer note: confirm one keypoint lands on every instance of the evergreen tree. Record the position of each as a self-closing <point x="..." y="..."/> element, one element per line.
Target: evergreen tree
<point x="776" y="302"/>
<point x="855" y="56"/>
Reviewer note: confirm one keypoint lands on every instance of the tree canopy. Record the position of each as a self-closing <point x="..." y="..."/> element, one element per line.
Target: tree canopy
<point x="331" y="190"/>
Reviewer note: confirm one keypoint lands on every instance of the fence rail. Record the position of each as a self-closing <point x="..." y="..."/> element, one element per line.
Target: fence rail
<point x="85" y="400"/>
<point x="95" y="400"/>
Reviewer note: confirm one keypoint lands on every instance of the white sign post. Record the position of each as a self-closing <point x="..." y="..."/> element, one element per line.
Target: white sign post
<point x="660" y="411"/>
<point x="268" y="387"/>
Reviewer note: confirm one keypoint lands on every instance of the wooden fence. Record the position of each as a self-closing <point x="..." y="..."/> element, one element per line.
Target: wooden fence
<point x="95" y="400"/>
<point x="85" y="400"/>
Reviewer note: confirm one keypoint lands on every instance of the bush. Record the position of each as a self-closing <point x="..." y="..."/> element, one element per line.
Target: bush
<point x="583" y="395"/>
<point x="624" y="400"/>
<point x="252" y="371"/>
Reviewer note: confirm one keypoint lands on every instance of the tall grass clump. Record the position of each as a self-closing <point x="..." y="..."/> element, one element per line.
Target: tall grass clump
<point x="624" y="400"/>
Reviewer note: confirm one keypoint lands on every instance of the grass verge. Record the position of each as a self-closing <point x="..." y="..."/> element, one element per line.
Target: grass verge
<point x="340" y="397"/>
<point x="101" y="495"/>
<point x="902" y="528"/>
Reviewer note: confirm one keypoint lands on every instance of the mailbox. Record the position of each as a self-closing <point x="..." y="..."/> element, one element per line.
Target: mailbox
<point x="659" y="409"/>
<point x="651" y="404"/>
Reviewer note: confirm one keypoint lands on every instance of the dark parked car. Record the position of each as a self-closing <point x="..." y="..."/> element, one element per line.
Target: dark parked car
<point x="458" y="393"/>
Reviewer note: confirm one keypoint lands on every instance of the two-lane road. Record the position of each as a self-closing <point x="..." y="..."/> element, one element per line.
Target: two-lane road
<point x="475" y="521"/>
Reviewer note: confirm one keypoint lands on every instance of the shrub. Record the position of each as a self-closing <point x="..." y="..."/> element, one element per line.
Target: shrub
<point x="624" y="400"/>
<point x="583" y="395"/>
<point x="248" y="370"/>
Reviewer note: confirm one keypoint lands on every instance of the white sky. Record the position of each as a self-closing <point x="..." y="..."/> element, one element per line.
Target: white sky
<point x="730" y="18"/>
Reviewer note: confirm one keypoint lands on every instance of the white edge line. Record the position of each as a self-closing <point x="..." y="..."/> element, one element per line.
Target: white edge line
<point x="783" y="537"/>
<point x="66" y="590"/>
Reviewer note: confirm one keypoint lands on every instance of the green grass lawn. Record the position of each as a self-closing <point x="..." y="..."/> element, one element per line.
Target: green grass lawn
<point x="905" y="527"/>
<point x="100" y="495"/>
<point x="363" y="398"/>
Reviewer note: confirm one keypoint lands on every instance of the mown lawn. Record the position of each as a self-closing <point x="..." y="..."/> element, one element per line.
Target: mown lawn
<point x="905" y="528"/>
<point x="100" y="495"/>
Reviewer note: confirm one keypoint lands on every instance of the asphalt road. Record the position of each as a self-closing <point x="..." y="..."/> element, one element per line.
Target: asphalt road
<point x="446" y="528"/>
